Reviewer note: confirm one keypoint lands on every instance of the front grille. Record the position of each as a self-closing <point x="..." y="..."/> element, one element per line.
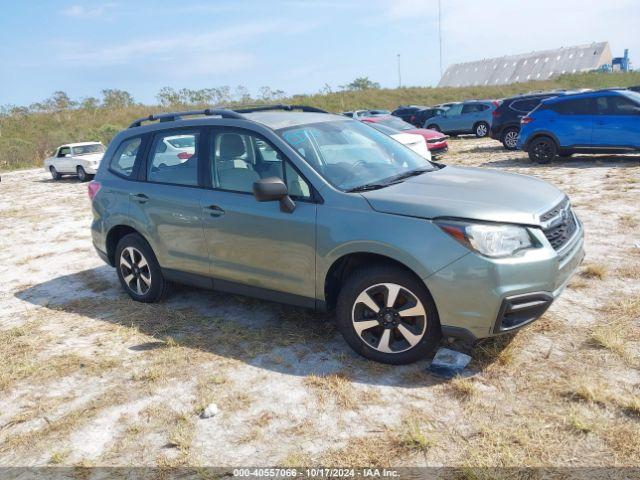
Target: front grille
<point x="555" y="211"/>
<point x="562" y="228"/>
<point x="436" y="140"/>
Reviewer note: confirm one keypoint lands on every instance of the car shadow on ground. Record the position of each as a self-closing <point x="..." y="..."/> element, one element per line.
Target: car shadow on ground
<point x="575" y="161"/>
<point x="69" y="179"/>
<point x="266" y="335"/>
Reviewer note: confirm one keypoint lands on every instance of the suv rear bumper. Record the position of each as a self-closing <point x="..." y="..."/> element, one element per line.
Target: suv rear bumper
<point x="479" y="297"/>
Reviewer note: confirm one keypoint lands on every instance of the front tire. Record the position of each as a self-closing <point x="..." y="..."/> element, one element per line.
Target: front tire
<point x="139" y="271"/>
<point x="54" y="173"/>
<point x="543" y="150"/>
<point x="481" y="129"/>
<point x="386" y="314"/>
<point x="510" y="138"/>
<point x="82" y="174"/>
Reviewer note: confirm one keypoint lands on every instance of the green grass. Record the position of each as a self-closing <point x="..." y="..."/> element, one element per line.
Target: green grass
<point x="27" y="137"/>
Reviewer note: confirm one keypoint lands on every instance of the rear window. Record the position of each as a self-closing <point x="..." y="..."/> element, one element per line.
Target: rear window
<point x="526" y="105"/>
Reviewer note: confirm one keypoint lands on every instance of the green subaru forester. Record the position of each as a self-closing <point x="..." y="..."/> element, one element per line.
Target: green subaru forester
<point x="295" y="205"/>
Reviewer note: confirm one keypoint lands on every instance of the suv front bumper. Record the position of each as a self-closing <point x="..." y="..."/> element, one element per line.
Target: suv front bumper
<point x="480" y="297"/>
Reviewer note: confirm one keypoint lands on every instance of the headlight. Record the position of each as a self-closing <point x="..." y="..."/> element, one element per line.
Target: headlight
<point x="488" y="239"/>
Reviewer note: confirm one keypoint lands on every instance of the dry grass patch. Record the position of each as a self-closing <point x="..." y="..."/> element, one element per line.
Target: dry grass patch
<point x="462" y="388"/>
<point x="55" y="430"/>
<point x="578" y="423"/>
<point x="631" y="406"/>
<point x="629" y="271"/>
<point x="587" y="389"/>
<point x="380" y="449"/>
<point x="21" y="350"/>
<point x="336" y="386"/>
<point x="628" y="221"/>
<point x="612" y="337"/>
<point x="594" y="271"/>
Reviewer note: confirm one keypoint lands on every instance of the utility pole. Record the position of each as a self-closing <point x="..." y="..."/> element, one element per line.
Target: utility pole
<point x="399" y="74"/>
<point x="440" y="32"/>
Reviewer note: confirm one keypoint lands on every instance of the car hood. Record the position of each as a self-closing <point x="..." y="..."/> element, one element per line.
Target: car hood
<point x="471" y="193"/>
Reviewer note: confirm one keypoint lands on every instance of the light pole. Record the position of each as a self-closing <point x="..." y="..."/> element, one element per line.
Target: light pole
<point x="399" y="74"/>
<point x="440" y="32"/>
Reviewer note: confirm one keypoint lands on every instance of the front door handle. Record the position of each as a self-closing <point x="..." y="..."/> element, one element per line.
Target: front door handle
<point x="215" y="210"/>
<point x="139" y="197"/>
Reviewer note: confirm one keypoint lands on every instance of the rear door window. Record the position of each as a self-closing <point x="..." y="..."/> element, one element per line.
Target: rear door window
<point x="173" y="158"/>
<point x="576" y="106"/>
<point x="123" y="161"/>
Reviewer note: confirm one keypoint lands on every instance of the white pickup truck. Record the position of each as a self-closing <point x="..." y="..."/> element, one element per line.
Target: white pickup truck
<point x="81" y="159"/>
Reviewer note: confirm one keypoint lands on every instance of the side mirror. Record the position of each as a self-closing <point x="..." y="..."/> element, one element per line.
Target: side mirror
<point x="272" y="189"/>
<point x="67" y="155"/>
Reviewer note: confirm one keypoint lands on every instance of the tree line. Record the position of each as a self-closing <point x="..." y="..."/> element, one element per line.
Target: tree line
<point x="168" y="97"/>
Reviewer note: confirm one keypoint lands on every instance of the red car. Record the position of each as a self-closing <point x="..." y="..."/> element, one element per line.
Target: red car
<point x="436" y="141"/>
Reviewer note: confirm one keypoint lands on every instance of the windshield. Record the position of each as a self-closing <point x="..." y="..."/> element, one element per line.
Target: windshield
<point x="349" y="154"/>
<point x="395" y="123"/>
<point x="88" y="149"/>
<point x="382" y="128"/>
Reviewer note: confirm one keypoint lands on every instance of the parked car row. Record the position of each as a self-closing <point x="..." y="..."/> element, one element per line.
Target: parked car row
<point x="544" y="124"/>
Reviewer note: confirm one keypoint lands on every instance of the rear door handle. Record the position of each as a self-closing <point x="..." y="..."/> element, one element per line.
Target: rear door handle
<point x="139" y="197"/>
<point x="215" y="210"/>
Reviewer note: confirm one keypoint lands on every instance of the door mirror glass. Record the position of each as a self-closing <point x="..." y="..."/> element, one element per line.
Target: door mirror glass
<point x="272" y="189"/>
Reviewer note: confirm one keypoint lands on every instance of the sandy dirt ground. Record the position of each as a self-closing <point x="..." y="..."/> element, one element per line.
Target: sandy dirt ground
<point x="88" y="377"/>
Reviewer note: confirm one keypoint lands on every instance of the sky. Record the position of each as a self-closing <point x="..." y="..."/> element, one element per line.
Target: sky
<point x="296" y="46"/>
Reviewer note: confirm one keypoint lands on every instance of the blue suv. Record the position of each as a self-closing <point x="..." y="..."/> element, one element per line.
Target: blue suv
<point x="604" y="121"/>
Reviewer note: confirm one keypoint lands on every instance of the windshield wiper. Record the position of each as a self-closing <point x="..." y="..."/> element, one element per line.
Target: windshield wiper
<point x="368" y="186"/>
<point x="410" y="173"/>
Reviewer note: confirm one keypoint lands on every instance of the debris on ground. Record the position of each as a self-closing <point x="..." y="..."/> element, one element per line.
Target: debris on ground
<point x="210" y="411"/>
<point x="448" y="363"/>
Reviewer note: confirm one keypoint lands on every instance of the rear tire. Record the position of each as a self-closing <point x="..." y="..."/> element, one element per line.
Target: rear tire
<point x="510" y="138"/>
<point x="405" y="327"/>
<point x="139" y="271"/>
<point x="543" y="150"/>
<point x="481" y="129"/>
<point x="82" y="174"/>
<point x="435" y="127"/>
<point x="54" y="173"/>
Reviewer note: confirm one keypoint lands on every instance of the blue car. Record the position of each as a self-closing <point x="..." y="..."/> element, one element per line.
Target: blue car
<point x="603" y="121"/>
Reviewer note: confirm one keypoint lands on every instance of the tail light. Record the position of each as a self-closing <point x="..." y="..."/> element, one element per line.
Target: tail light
<point x="496" y="113"/>
<point x="185" y="155"/>
<point x="93" y="188"/>
<point x="497" y="103"/>
<point x="412" y="119"/>
<point x="526" y="119"/>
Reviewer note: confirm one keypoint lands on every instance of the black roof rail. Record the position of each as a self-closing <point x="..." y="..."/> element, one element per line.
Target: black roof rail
<point x="173" y="116"/>
<point x="280" y="106"/>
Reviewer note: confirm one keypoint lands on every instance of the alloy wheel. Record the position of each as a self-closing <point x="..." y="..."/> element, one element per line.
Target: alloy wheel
<point x="389" y="318"/>
<point x="135" y="271"/>
<point x="481" y="130"/>
<point x="511" y="139"/>
<point x="543" y="150"/>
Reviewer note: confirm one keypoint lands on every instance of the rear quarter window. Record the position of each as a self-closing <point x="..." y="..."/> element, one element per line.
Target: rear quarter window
<point x="123" y="161"/>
